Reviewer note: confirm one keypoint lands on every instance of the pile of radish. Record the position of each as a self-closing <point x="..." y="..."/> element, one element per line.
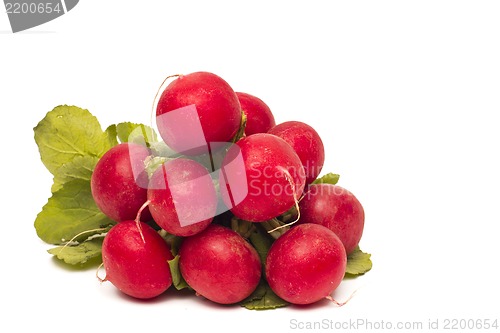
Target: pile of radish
<point x="224" y="202"/>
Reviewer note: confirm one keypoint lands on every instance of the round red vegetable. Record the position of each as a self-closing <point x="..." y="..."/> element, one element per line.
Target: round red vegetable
<point x="137" y="267"/>
<point x="307" y="144"/>
<point x="119" y="182"/>
<point x="220" y="265"/>
<point x="196" y="111"/>
<point x="260" y="119"/>
<point x="337" y="209"/>
<point x="306" y="264"/>
<point x="182" y="197"/>
<point x="268" y="181"/>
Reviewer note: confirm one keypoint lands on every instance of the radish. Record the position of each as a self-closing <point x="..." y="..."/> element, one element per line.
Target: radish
<point x="307" y="144"/>
<point x="136" y="266"/>
<point x="182" y="197"/>
<point x="197" y="110"/>
<point x="306" y="264"/>
<point x="337" y="209"/>
<point x="260" y="119"/>
<point x="267" y="183"/>
<point x="220" y="265"/>
<point x="119" y="182"/>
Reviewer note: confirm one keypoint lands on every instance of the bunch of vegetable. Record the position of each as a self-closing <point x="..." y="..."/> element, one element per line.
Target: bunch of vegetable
<point x="222" y="200"/>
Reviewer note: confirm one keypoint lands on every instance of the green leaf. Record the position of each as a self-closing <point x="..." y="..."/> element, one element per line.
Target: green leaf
<point x="263" y="298"/>
<point x="136" y="133"/>
<point x="329" y="178"/>
<point x="111" y="135"/>
<point x="177" y="280"/>
<point x="81" y="167"/>
<point x="153" y="163"/>
<point x="358" y="263"/>
<point x="67" y="132"/>
<point x="160" y="149"/>
<point x="79" y="254"/>
<point x="70" y="212"/>
<point x="172" y="240"/>
<point x="262" y="242"/>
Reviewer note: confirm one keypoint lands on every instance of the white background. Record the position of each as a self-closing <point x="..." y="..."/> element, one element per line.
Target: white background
<point x="404" y="94"/>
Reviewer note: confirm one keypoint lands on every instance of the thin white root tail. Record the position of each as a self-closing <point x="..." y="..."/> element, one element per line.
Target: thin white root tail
<point x="80" y="234"/>
<point x="288" y="177"/>
<point x="97" y="274"/>
<point x="160" y="90"/>
<point x="138" y="218"/>
<point x="339" y="304"/>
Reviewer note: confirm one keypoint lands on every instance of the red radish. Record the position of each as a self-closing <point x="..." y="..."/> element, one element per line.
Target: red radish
<point x="260" y="119"/>
<point x="306" y="264"/>
<point x="307" y="144"/>
<point x="197" y="110"/>
<point x="182" y="196"/>
<point x="220" y="265"/>
<point x="137" y="267"/>
<point x="337" y="209"/>
<point x="267" y="183"/>
<point x="119" y="182"/>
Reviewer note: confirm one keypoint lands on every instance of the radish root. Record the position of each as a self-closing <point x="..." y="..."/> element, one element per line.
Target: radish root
<point x="160" y="90"/>
<point x="275" y="227"/>
<point x="339" y="304"/>
<point x="97" y="274"/>
<point x="138" y="218"/>
<point x="66" y="244"/>
<point x="288" y="177"/>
